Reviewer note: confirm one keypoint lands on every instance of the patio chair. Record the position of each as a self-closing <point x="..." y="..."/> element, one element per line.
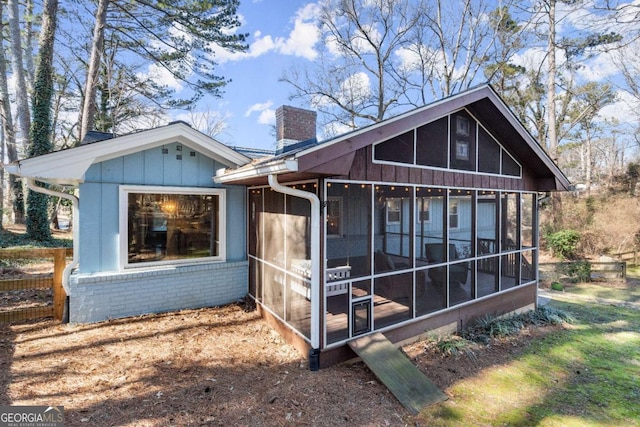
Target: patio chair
<point x="457" y="272"/>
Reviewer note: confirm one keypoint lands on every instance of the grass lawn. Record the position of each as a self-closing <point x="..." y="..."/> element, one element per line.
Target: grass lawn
<point x="14" y="236"/>
<point x="586" y="374"/>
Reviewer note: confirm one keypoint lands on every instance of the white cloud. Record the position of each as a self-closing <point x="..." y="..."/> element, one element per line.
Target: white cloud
<point x="600" y="68"/>
<point x="624" y="110"/>
<point x="300" y="41"/>
<point x="355" y="88"/>
<point x="266" y="115"/>
<point x="258" y="107"/>
<point x="304" y="36"/>
<point x="161" y="75"/>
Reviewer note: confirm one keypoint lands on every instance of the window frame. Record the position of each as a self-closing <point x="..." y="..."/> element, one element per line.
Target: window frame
<point x="426" y="201"/>
<point x="123" y="223"/>
<point x="454" y="206"/>
<point x="395" y="200"/>
<point x="338" y="201"/>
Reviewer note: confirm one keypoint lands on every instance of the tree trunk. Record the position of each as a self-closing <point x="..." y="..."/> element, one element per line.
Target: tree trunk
<point x="11" y="147"/>
<point x="588" y="165"/>
<point x="552" y="128"/>
<point x="1" y="180"/>
<point x="22" y="96"/>
<point x="41" y="133"/>
<point x="88" y="112"/>
<point x="28" y="44"/>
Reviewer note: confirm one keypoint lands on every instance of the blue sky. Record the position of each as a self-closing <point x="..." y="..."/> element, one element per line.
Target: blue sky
<point x="282" y="33"/>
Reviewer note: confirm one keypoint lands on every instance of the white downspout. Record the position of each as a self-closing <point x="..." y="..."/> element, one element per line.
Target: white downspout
<point x="31" y="184"/>
<point x="315" y="253"/>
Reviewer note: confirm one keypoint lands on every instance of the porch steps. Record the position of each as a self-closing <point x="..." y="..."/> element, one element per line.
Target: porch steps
<point x="407" y="383"/>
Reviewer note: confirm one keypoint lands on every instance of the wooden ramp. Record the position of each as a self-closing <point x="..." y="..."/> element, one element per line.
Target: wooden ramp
<point x="407" y="383"/>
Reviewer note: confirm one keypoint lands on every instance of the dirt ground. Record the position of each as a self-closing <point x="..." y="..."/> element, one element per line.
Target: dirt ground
<point x="218" y="366"/>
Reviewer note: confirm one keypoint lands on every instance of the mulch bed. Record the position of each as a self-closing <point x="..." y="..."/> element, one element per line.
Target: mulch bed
<point x="217" y="366"/>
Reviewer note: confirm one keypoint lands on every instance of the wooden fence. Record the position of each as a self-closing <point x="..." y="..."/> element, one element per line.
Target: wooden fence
<point x="54" y="281"/>
<point x="615" y="270"/>
<point x="630" y="257"/>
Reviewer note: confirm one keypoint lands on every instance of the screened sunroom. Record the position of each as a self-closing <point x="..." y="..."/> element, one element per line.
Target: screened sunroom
<point x="393" y="253"/>
<point x="419" y="222"/>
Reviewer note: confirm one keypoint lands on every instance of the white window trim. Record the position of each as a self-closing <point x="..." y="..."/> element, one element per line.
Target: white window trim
<point x="124" y="191"/>
<point x="456" y="203"/>
<point x="418" y="211"/>
<point x="337" y="199"/>
<point x="387" y="210"/>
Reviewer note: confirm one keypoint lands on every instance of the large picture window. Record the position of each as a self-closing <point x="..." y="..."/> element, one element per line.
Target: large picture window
<point x="170" y="224"/>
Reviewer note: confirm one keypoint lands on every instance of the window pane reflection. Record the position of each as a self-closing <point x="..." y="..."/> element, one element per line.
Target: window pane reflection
<point x="172" y="226"/>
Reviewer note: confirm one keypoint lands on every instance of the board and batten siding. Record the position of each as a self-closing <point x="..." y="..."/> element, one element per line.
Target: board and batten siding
<point x="99" y="227"/>
<point x="101" y="289"/>
<point x="363" y="169"/>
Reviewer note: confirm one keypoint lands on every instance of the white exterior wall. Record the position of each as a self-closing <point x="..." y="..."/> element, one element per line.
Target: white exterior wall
<point x="97" y="297"/>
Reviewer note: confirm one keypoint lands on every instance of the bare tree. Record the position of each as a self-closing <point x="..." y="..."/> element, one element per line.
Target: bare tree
<point x="8" y="128"/>
<point x="355" y="80"/>
<point x="207" y="121"/>
<point x="377" y="57"/>
<point x="463" y="41"/>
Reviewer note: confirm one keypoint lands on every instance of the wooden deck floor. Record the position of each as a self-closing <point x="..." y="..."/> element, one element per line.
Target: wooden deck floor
<point x="388" y="311"/>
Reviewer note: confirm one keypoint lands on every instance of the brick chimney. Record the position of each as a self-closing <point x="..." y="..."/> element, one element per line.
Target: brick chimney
<point x="294" y="125"/>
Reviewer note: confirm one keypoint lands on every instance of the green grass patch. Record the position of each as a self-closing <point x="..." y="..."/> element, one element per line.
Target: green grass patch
<point x="585" y="374"/>
<point x="633" y="271"/>
<point x="627" y="292"/>
<point x="19" y="239"/>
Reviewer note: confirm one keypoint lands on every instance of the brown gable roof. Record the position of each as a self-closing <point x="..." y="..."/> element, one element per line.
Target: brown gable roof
<point x="335" y="156"/>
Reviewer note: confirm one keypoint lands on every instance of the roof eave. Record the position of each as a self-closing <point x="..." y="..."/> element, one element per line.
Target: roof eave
<point x="225" y="176"/>
<point x="69" y="166"/>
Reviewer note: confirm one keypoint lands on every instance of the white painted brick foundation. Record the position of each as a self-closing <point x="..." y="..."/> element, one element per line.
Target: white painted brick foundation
<point x="97" y="297"/>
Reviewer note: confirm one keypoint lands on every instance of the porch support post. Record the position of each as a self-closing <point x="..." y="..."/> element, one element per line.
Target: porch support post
<point x="315" y="253"/>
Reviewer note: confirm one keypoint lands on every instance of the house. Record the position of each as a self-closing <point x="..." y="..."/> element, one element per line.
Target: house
<point x="421" y="222"/>
<point x="153" y="232"/>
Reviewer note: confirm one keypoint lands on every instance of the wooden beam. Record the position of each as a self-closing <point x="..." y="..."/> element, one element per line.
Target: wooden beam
<point x="33" y="253"/>
<point x="59" y="294"/>
<point x="45" y="281"/>
<point x="26" y="314"/>
<point x="407" y="383"/>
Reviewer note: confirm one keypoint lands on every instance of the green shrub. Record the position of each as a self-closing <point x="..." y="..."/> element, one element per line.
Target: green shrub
<point x="557" y="286"/>
<point x="487" y="327"/>
<point x="453" y="345"/>
<point x="578" y="271"/>
<point x="564" y="243"/>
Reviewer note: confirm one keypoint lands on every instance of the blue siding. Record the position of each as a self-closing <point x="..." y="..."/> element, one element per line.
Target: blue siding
<point x="206" y="171"/>
<point x="236" y="224"/>
<point x="172" y="165"/>
<point x="109" y="232"/>
<point x="113" y="170"/>
<point x="154" y="167"/>
<point x="190" y="167"/>
<point x="90" y="219"/>
<point x="133" y="168"/>
<point x="99" y="201"/>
